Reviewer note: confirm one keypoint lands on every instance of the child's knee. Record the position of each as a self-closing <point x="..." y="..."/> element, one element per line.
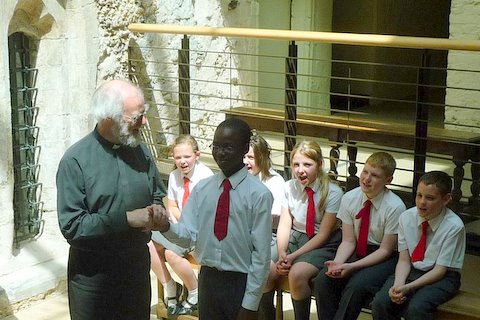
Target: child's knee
<point x="296" y="274"/>
<point x="170" y="255"/>
<point x="419" y="310"/>
<point x="380" y="303"/>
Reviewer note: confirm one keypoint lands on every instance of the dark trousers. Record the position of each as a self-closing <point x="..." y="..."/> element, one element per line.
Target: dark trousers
<point x="421" y="304"/>
<point x="220" y="293"/>
<point x="108" y="287"/>
<point x="344" y="298"/>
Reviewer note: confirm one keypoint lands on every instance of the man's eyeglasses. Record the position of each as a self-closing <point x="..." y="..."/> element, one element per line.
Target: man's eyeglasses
<point x="138" y="117"/>
<point x="219" y="147"/>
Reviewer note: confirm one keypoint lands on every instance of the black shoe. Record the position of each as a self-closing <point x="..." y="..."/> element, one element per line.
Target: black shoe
<point x="172" y="310"/>
<point x="173" y="302"/>
<point x="186" y="308"/>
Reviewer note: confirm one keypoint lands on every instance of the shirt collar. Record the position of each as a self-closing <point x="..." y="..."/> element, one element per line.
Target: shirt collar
<point x="104" y="141"/>
<point x="235" y="178"/>
<point x="376" y="201"/>
<point x="314" y="186"/>
<point x="271" y="171"/>
<point x="434" y="223"/>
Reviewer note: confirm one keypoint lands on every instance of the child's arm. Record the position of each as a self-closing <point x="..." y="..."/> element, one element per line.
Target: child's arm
<point x="283" y="236"/>
<point x="174" y="210"/>
<point x="387" y="247"/>
<point x="259" y="262"/>
<point x="402" y="270"/>
<point x="327" y="226"/>
<point x="283" y="231"/>
<point x="345" y="251"/>
<point x="437" y="273"/>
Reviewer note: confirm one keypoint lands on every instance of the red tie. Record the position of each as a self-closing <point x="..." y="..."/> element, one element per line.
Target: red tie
<point x="310" y="225"/>
<point x="186" y="190"/>
<point x="362" y="242"/>
<point x="419" y="252"/>
<point x="223" y="208"/>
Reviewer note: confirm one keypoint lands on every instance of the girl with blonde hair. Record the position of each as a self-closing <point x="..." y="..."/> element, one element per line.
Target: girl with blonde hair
<point x="308" y="232"/>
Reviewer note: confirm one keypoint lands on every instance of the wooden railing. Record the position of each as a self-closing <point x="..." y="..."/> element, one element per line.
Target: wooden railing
<point x="312" y="36"/>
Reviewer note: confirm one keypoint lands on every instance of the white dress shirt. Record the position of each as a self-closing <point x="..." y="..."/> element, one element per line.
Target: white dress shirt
<point x="246" y="247"/>
<point x="445" y="239"/>
<point x="276" y="184"/>
<point x="296" y="200"/>
<point x="175" y="181"/>
<point x="384" y="213"/>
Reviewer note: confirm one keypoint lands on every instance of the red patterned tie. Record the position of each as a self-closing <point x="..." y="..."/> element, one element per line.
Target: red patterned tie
<point x="223" y="208"/>
<point x="186" y="190"/>
<point x="419" y="251"/>
<point x="362" y="242"/>
<point x="310" y="224"/>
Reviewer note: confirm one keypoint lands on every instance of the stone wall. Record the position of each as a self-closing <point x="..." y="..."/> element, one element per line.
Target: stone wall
<point x="67" y="37"/>
<point x="81" y="44"/>
<point x="461" y="111"/>
<point x="218" y="66"/>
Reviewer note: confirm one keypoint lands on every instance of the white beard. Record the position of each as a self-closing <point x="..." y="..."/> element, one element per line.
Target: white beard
<point x="127" y="138"/>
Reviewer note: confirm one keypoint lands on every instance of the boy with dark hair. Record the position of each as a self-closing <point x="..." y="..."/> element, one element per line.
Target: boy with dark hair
<point x="367" y="254"/>
<point x="227" y="217"/>
<point x="431" y="242"/>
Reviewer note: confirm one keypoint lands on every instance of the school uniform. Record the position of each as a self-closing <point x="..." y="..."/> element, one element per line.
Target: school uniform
<point x="296" y="200"/>
<point x="344" y="298"/>
<point x="242" y="258"/>
<point x="175" y="192"/>
<point x="175" y="181"/>
<point x="445" y="246"/>
<point x="276" y="184"/>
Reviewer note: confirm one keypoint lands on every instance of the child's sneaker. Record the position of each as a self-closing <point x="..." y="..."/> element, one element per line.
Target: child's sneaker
<point x="186" y="308"/>
<point x="173" y="302"/>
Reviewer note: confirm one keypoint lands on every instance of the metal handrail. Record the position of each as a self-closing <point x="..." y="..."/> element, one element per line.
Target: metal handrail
<point x="314" y="36"/>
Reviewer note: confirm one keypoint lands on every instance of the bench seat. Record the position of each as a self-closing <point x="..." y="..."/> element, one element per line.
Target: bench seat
<point x="465" y="305"/>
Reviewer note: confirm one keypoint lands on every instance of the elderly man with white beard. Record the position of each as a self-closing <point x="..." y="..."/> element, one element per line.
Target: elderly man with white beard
<point x="107" y="187"/>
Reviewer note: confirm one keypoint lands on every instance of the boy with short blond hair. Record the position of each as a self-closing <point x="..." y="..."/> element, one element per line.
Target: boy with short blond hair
<point x="431" y="241"/>
<point x="367" y="254"/>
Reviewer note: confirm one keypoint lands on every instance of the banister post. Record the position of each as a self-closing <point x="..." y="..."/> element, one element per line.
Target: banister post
<point x="290" y="124"/>
<point x="421" y="123"/>
<point x="184" y="86"/>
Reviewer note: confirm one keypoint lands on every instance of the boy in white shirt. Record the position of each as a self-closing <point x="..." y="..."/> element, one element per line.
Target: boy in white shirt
<point x="367" y="255"/>
<point x="431" y="241"/>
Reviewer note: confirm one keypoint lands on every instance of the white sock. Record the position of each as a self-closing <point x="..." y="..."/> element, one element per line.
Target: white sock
<point x="171" y="292"/>
<point x="193" y="296"/>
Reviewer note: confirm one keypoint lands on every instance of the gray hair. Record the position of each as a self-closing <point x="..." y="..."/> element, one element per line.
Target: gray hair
<point x="108" y="100"/>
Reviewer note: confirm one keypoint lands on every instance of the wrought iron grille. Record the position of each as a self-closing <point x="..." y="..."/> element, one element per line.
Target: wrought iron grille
<point x="27" y="190"/>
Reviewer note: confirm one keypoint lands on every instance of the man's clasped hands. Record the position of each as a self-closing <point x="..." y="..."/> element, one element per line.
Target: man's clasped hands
<point x="153" y="217"/>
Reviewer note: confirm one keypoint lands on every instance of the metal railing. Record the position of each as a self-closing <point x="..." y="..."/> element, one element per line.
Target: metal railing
<point x="27" y="202"/>
<point x="399" y="94"/>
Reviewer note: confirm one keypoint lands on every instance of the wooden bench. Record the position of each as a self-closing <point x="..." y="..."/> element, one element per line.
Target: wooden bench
<point x="162" y="312"/>
<point x="461" y="146"/>
<point x="465" y="305"/>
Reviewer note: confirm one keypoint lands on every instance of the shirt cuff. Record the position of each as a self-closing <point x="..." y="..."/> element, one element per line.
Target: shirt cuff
<point x="251" y="301"/>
